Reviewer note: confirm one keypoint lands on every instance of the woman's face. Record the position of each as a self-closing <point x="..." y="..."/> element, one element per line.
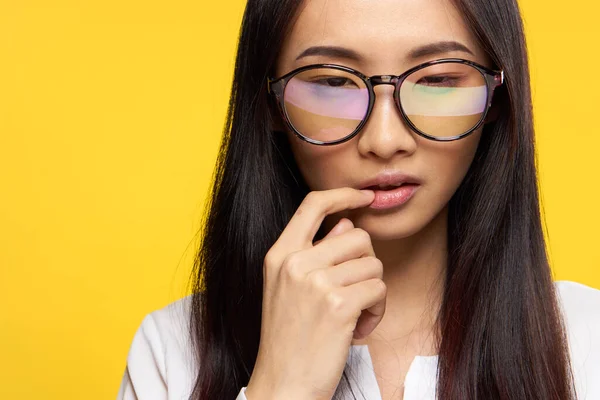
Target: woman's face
<point x="385" y="34"/>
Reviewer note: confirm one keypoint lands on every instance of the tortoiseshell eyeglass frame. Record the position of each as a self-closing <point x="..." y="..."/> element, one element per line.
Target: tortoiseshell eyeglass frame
<point x="276" y="88"/>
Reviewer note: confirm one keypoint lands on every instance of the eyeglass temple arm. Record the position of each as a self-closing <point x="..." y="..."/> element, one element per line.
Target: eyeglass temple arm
<point x="271" y="83"/>
<point x="499" y="78"/>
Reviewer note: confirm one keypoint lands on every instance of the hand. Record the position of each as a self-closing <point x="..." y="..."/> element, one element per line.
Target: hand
<point x="316" y="299"/>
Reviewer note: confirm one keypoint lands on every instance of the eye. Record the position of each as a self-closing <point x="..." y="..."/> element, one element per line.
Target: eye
<point x="336" y="81"/>
<point x="439" y="80"/>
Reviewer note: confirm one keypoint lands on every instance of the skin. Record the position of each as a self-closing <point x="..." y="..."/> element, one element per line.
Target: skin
<point x="409" y="240"/>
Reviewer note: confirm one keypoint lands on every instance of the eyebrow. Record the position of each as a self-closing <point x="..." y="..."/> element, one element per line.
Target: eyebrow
<point x="438" y="48"/>
<point x="427" y="50"/>
<point x="330" y="51"/>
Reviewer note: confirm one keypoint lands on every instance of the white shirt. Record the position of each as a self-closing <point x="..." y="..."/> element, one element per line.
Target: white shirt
<point x="160" y="363"/>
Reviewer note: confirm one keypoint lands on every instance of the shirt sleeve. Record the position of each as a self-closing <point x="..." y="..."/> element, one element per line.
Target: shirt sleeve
<point x="581" y="307"/>
<point x="145" y="376"/>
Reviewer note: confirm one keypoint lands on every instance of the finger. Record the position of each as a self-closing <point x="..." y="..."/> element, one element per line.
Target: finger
<point x="349" y="245"/>
<point x="343" y="225"/>
<point x="352" y="271"/>
<point x="368" y="321"/>
<point x="370" y="297"/>
<point x="304" y="224"/>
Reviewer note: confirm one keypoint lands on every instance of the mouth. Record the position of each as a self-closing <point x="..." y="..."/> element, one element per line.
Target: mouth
<point x="392" y="189"/>
<point x="389" y="187"/>
<point x="391" y="196"/>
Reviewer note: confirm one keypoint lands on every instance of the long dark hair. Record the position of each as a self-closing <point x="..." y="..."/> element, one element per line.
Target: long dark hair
<point x="501" y="331"/>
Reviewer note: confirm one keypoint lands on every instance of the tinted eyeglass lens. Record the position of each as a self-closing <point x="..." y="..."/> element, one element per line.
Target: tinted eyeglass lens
<point x="444" y="100"/>
<point x="326" y="104"/>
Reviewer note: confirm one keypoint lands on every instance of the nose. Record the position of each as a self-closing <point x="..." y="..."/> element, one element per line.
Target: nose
<point x="386" y="133"/>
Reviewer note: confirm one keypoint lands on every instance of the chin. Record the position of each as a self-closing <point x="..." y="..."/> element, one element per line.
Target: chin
<point x="402" y="223"/>
<point x="382" y="227"/>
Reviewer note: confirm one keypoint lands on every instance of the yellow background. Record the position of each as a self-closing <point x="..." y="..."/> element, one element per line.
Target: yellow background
<point x="110" y="116"/>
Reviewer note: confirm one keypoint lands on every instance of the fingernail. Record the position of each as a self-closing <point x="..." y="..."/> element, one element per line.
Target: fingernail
<point x="368" y="192"/>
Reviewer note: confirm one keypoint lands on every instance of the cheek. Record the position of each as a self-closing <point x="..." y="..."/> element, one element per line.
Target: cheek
<point x="320" y="166"/>
<point x="451" y="161"/>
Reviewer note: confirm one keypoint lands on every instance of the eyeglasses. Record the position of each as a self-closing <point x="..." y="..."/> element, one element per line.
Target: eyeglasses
<point x="442" y="100"/>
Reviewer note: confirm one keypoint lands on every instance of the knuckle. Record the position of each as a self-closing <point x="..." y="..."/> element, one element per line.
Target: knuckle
<point x="312" y="198"/>
<point x="319" y="279"/>
<point x="335" y="303"/>
<point x="377" y="265"/>
<point x="270" y="259"/>
<point x="292" y="266"/>
<point x="320" y="200"/>
<point x="380" y="287"/>
<point x="362" y="235"/>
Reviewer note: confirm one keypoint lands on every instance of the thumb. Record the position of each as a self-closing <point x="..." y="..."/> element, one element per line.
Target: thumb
<point x="343" y="225"/>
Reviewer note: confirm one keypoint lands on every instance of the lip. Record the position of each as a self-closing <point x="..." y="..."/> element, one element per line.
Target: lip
<point x="392" y="178"/>
<point x="406" y="184"/>
<point x="385" y="199"/>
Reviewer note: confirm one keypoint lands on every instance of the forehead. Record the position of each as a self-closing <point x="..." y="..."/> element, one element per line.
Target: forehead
<point x="382" y="32"/>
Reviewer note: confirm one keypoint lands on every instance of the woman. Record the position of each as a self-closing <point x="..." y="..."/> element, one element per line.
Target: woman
<point x="373" y="235"/>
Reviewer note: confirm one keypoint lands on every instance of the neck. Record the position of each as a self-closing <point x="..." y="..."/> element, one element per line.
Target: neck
<point x="414" y="273"/>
